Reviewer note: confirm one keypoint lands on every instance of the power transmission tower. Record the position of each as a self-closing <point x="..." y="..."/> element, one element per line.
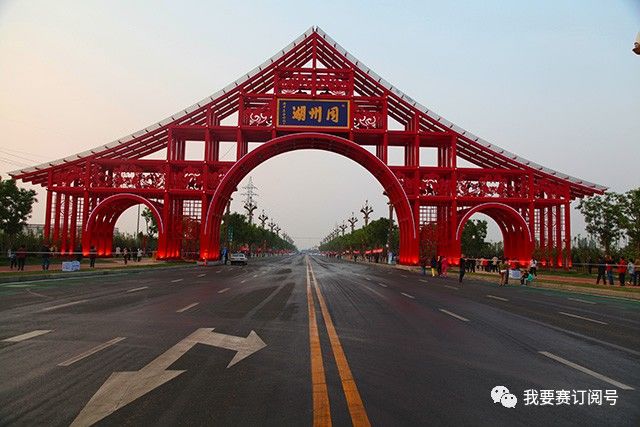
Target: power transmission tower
<point x="249" y="204"/>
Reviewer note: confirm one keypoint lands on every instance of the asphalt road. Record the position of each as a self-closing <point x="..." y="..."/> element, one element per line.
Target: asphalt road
<point x="309" y="340"/>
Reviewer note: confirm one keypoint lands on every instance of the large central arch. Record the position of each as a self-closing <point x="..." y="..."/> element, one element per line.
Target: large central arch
<point x="318" y="141"/>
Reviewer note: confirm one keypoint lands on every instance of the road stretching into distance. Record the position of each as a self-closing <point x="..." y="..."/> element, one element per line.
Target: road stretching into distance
<point x="305" y="340"/>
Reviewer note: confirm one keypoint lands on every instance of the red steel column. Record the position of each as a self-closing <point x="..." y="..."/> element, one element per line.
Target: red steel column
<point x="567" y="234"/>
<point x="47" y="218"/>
<point x="559" y="235"/>
<point x="65" y="225"/>
<point x="56" y="224"/>
<point x="73" y="226"/>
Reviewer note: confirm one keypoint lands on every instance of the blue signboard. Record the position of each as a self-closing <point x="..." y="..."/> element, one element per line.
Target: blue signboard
<point x="317" y="113"/>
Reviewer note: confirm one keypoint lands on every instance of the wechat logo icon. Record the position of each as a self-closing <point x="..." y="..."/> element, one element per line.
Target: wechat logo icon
<point x="501" y="394"/>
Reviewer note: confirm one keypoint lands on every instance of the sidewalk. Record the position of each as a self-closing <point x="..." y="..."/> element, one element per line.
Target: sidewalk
<point x="581" y="285"/>
<point x="103" y="266"/>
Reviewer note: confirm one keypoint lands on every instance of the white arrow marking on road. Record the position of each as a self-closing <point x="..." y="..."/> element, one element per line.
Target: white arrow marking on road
<point x="122" y="388"/>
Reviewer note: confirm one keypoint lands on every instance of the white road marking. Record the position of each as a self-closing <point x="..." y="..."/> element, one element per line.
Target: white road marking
<point x="423" y="281"/>
<point x="451" y="287"/>
<point x="89" y="352"/>
<point x="581" y="300"/>
<point x="242" y="281"/>
<point x="382" y="284"/>
<point x="221" y="291"/>
<point x="17" y="286"/>
<point x="69" y="304"/>
<point x="219" y="271"/>
<point x="255" y="275"/>
<point x="586" y="370"/>
<point x="122" y="388"/>
<point x="495" y="297"/>
<point x="183" y="309"/>
<point x="582" y="318"/>
<point x="177" y="280"/>
<point x="138" y="289"/>
<point x="368" y="278"/>
<point x="402" y="275"/>
<point x="202" y="275"/>
<point x="28" y="335"/>
<point x="464" y="319"/>
<point x="37" y="294"/>
<point x="408" y="296"/>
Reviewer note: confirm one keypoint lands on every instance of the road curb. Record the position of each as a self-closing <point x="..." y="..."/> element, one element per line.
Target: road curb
<point x="20" y="279"/>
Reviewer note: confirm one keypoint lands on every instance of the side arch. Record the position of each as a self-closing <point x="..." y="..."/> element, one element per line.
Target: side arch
<point x="317" y="141"/>
<point x="518" y="237"/>
<point x="99" y="228"/>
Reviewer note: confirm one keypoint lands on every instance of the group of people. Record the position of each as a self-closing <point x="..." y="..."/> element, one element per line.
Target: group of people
<point x="127" y="254"/>
<point x="17" y="258"/>
<point x="625" y="270"/>
<point x="439" y="266"/>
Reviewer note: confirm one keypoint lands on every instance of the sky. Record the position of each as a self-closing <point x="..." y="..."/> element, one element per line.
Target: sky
<point x="553" y="81"/>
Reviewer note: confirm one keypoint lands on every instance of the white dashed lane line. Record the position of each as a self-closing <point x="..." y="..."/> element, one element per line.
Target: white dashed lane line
<point x="69" y="304"/>
<point x="221" y="291"/>
<point x="89" y="352"/>
<point x="586" y="370"/>
<point x="457" y="316"/>
<point x="183" y="309"/>
<point x="407" y="295"/>
<point x="423" y="281"/>
<point x="177" y="280"/>
<point x="382" y="284"/>
<point x="495" y="297"/>
<point x="581" y="300"/>
<point x="452" y="287"/>
<point x="138" y="289"/>
<point x="202" y="275"/>
<point x="242" y="281"/>
<point x="582" y="318"/>
<point x="28" y="335"/>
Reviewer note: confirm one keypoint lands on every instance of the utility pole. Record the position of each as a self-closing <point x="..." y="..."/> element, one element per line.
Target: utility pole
<point x="366" y="211"/>
<point x="249" y="204"/>
<point x="352" y="221"/>
<point x="263" y="218"/>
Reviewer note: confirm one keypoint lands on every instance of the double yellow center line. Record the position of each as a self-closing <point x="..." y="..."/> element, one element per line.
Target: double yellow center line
<point x="321" y="406"/>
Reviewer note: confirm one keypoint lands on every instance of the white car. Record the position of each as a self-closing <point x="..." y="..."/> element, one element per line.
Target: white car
<point x="238" y="258"/>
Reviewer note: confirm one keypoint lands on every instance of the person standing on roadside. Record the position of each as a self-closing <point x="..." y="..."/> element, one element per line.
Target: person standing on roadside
<point x="45" y="254"/>
<point x="463" y="264"/>
<point x="631" y="270"/>
<point x="13" y="261"/>
<point x="608" y="267"/>
<point x="445" y="266"/>
<point x="622" y="271"/>
<point x="533" y="267"/>
<point x="423" y="265"/>
<point x="21" y="256"/>
<point x="434" y="266"/>
<point x="92" y="256"/>
<point x="502" y="269"/>
<point x="601" y="272"/>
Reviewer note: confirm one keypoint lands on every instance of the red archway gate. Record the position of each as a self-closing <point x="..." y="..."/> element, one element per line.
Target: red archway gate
<point x="311" y="86"/>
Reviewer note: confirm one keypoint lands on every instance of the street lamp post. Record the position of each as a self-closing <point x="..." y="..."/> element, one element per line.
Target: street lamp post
<point x="366" y="211"/>
<point x="263" y="218"/>
<point x="352" y="221"/>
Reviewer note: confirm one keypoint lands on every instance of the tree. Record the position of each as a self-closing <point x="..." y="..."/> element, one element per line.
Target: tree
<point x="603" y="216"/>
<point x="15" y="207"/>
<point x="630" y="203"/>
<point x="150" y="220"/>
<point x="473" y="235"/>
